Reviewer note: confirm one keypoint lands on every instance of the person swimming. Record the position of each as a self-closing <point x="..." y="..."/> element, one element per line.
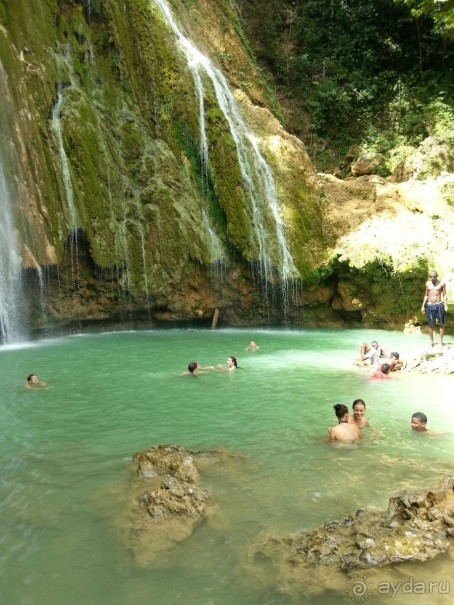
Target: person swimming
<point x="359" y="409"/>
<point x="382" y="373"/>
<point x="345" y="431"/>
<point x="418" y="424"/>
<point x="194" y="369"/>
<point x="253" y="346"/>
<point x="232" y="365"/>
<point x="33" y="382"/>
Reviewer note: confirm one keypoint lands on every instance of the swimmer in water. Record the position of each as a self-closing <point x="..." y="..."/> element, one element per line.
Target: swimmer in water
<point x="382" y="373"/>
<point x="232" y="365"/>
<point x="33" y="382"/>
<point x="418" y="424"/>
<point x="359" y="409"/>
<point x="345" y="432"/>
<point x="253" y="346"/>
<point x="194" y="369"/>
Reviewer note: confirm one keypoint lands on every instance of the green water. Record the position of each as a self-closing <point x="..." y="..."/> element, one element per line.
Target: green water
<point x="66" y="452"/>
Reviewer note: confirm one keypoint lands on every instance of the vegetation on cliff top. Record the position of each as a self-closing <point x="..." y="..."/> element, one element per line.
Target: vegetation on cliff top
<point x="375" y="74"/>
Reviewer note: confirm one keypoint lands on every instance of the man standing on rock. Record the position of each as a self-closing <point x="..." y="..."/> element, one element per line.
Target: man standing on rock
<point x="435" y="305"/>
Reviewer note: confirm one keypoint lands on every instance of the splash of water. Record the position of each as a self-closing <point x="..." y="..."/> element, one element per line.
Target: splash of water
<point x="256" y="174"/>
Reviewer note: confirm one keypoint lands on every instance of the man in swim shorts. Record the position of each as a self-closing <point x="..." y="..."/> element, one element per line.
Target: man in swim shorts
<point x="435" y="305"/>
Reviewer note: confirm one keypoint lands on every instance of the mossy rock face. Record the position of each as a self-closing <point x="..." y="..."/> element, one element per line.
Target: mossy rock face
<point x="151" y="216"/>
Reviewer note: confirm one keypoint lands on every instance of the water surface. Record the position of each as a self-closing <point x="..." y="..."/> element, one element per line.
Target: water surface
<point x="66" y="453"/>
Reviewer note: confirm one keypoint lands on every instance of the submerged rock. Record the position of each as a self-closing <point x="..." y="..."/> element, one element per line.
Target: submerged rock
<point x="168" y="502"/>
<point x="418" y="526"/>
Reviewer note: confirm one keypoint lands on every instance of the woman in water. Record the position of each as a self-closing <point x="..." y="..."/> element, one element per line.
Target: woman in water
<point x="231" y="365"/>
<point x="359" y="409"/>
<point x="344" y="431"/>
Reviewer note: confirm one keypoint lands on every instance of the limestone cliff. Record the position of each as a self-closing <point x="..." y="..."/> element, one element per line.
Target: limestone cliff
<point x="121" y="215"/>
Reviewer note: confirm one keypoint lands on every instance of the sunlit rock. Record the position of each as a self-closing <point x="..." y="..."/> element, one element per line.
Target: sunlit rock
<point x="418" y="526"/>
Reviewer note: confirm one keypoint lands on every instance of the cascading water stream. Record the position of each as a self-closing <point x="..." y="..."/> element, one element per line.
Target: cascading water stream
<point x="216" y="250"/>
<point x="10" y="267"/>
<point x="69" y="192"/>
<point x="256" y="174"/>
<point x="64" y="63"/>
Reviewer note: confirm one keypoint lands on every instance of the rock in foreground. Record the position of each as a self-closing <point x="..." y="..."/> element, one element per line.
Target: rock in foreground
<point x="167" y="504"/>
<point x="417" y="526"/>
<point x="167" y="501"/>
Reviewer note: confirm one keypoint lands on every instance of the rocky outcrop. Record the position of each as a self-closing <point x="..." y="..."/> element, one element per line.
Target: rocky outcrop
<point x="99" y="110"/>
<point x="168" y="501"/>
<point x="437" y="360"/>
<point x="418" y="526"/>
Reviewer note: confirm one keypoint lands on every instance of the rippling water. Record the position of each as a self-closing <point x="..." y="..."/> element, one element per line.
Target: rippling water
<point x="65" y="455"/>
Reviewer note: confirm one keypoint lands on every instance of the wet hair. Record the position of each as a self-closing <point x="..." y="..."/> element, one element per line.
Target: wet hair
<point x="373" y="343"/>
<point x="192" y="366"/>
<point x="340" y="410"/>
<point x="420" y="416"/>
<point x="234" y="360"/>
<point x="395" y="355"/>
<point x="385" y="367"/>
<point x="29" y="377"/>
<point x="358" y="401"/>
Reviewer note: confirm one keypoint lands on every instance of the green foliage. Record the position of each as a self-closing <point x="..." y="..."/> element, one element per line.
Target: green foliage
<point x="367" y="73"/>
<point x="441" y="11"/>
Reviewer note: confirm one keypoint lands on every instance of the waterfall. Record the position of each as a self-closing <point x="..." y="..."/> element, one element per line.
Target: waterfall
<point x="255" y="172"/>
<point x="69" y="192"/>
<point x="215" y="249"/>
<point x="10" y="267"/>
<point x="64" y="63"/>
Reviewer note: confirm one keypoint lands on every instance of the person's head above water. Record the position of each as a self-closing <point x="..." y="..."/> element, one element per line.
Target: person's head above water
<point x="359" y="407"/>
<point x="395" y="356"/>
<point x="418" y="421"/>
<point x="358" y="402"/>
<point x="374" y="344"/>
<point x="193" y="366"/>
<point x="32" y="379"/>
<point x="231" y="362"/>
<point x="340" y="410"/>
<point x="385" y="367"/>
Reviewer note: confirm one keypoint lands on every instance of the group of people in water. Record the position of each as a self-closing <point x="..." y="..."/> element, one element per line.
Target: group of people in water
<point x="349" y="425"/>
<point x="348" y="429"/>
<point x="370" y="354"/>
<point x="434" y="305"/>
<point x="194" y="368"/>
